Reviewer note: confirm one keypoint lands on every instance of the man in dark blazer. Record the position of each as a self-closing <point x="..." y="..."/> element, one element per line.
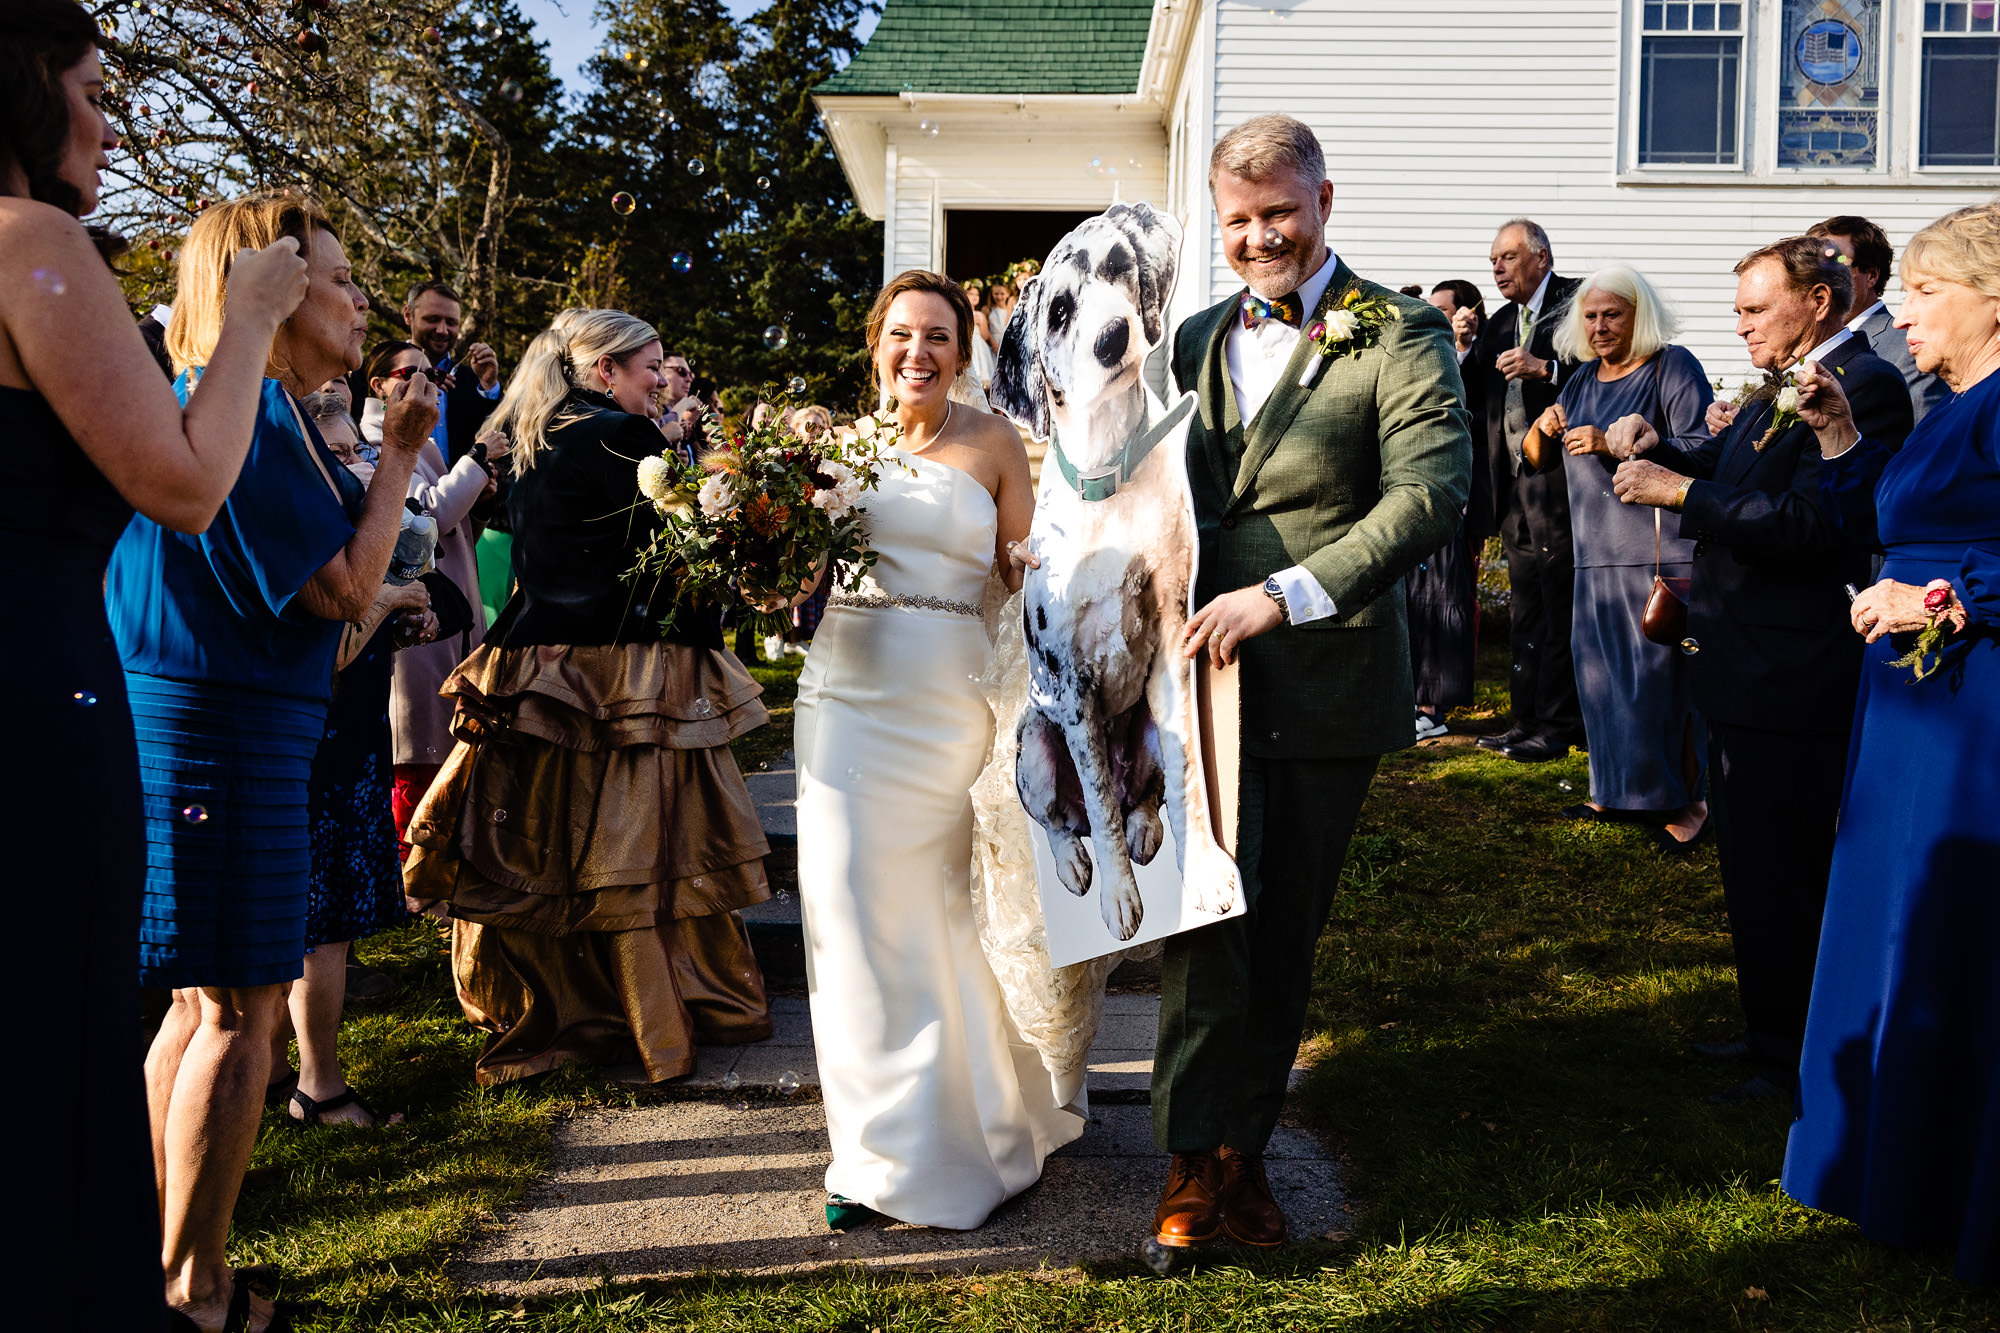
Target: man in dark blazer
<point x="1873" y="261"/>
<point x="1774" y="662"/>
<point x="1509" y="381"/>
<point x="468" y="388"/>
<point x="1319" y="480"/>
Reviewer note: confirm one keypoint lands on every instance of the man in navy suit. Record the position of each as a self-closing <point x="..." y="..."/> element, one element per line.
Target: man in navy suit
<point x="1774" y="663"/>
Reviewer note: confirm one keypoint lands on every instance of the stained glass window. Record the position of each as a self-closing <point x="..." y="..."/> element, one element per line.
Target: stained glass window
<point x="1830" y="85"/>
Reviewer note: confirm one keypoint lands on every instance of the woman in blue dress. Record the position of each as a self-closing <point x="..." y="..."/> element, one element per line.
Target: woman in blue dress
<point x="1646" y="741"/>
<point x="1898" y="1116"/>
<point x="228" y="641"/>
<point x="92" y="433"/>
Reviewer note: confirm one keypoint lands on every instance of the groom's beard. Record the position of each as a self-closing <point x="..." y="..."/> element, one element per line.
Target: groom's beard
<point x="1275" y="280"/>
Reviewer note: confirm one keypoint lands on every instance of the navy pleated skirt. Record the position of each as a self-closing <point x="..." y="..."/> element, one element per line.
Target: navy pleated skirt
<point x="228" y="842"/>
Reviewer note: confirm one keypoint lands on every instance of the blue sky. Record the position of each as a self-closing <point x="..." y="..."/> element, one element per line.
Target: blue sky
<point x="573" y="37"/>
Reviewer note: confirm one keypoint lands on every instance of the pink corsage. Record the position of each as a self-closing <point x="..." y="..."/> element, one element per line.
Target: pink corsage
<point x="1943" y="614"/>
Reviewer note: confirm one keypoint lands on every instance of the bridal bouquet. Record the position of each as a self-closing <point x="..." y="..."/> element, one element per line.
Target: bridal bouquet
<point x="754" y="519"/>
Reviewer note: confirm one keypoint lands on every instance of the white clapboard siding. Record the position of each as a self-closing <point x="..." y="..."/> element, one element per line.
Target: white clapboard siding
<point x="1442" y="118"/>
<point x="1012" y="160"/>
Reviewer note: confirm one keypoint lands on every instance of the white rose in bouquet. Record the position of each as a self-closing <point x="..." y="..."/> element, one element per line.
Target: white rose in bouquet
<point x="718" y="495"/>
<point x="839" y="499"/>
<point x="1788" y="400"/>
<point x="656" y="483"/>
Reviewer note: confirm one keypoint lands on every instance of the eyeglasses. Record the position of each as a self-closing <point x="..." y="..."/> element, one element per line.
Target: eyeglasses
<point x="403" y="372"/>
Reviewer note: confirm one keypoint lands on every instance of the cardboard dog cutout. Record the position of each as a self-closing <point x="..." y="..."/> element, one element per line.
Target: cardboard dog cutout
<point x="1125" y="747"/>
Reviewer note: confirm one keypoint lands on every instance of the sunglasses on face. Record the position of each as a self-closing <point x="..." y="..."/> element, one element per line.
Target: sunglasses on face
<point x="403" y="372"/>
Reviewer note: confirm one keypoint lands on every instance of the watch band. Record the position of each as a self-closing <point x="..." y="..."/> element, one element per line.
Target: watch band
<point x="1276" y="593"/>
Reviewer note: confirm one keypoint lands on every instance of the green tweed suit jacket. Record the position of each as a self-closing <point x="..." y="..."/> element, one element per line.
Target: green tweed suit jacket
<point x="1357" y="479"/>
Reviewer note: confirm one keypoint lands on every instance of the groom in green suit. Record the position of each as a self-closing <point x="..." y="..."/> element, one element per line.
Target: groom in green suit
<point x="1331" y="453"/>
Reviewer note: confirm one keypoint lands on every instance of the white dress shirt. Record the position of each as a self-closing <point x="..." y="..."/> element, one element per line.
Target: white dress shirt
<point x="1836" y="340"/>
<point x="1256" y="359"/>
<point x="1866" y="315"/>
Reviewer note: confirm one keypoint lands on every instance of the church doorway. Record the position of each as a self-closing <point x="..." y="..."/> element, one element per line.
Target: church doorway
<point x="982" y="242"/>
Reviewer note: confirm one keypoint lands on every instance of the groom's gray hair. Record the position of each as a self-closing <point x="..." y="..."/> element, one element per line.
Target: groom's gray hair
<point x="1263" y="146"/>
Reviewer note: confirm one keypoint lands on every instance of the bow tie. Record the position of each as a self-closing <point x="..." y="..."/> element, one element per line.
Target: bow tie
<point x="1256" y="309"/>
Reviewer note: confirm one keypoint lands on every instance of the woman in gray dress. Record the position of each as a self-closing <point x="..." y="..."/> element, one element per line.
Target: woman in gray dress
<point x="1646" y="740"/>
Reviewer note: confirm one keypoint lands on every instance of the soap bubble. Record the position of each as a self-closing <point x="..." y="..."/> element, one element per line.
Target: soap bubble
<point x="194" y="814"/>
<point x="788" y="1083"/>
<point x="696" y="166"/>
<point x="49" y="282"/>
<point x="510" y="89"/>
<point x="672" y="124"/>
<point x="84" y="699"/>
<point x="928" y="128"/>
<point x="854" y="775"/>
<point x="1272" y="239"/>
<point x="731" y="1081"/>
<point x="623" y="203"/>
<point x="763" y="182"/>
<point x="499" y="816"/>
<point x="775" y="336"/>
<point x="682" y="262"/>
<point x="1158" y="1257"/>
<point x="797" y="384"/>
<point x="1100" y="168"/>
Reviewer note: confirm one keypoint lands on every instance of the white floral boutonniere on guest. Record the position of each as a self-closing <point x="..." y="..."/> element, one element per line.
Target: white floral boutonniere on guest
<point x="1355" y="322"/>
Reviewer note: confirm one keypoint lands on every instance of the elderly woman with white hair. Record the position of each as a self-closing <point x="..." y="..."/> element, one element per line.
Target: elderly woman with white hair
<point x="1646" y="740"/>
<point x="1897" y="1123"/>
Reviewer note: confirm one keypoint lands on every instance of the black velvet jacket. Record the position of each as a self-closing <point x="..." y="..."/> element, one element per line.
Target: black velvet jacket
<point x="578" y="522"/>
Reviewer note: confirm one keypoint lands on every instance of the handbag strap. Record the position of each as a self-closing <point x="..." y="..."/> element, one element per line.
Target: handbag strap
<point x="1656" y="542"/>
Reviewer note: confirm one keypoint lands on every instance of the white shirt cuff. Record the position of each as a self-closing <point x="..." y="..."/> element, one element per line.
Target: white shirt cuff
<point x="1305" y="599"/>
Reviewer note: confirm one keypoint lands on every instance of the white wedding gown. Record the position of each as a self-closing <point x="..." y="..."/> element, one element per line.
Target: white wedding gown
<point x="937" y="1108"/>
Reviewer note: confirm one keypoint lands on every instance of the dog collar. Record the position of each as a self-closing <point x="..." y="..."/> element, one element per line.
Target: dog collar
<point x="1103" y="483"/>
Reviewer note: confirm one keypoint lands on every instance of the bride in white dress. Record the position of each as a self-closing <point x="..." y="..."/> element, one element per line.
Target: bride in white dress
<point x="937" y="1108"/>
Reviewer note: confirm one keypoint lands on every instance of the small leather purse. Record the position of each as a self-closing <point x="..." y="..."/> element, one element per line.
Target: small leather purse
<point x="1666" y="617"/>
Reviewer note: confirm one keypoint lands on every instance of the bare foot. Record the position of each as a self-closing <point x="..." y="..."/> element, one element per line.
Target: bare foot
<point x="1686" y="825"/>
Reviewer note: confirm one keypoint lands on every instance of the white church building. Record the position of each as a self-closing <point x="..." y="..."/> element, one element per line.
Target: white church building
<point x="1674" y="135"/>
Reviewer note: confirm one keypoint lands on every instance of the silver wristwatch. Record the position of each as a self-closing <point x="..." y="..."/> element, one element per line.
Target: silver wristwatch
<point x="1277" y="594"/>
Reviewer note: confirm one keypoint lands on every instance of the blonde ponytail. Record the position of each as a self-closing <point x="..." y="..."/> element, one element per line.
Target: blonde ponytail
<point x="560" y="359"/>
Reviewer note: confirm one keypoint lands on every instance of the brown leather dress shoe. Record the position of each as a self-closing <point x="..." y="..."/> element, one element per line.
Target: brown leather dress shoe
<point x="1188" y="1213"/>
<point x="1249" y="1214"/>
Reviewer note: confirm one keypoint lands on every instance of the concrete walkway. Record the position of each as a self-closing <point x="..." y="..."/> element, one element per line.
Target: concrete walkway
<point x="730" y="1174"/>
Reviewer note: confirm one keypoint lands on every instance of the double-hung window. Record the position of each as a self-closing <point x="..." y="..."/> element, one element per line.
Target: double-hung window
<point x="1690" y="82"/>
<point x="1961" y="112"/>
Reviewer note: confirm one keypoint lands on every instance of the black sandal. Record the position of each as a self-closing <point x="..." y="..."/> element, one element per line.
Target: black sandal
<point x="312" y="1112"/>
<point x="238" y="1318"/>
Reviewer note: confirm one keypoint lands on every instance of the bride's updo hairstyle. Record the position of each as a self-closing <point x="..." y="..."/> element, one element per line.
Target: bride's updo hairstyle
<point x="561" y="358"/>
<point x="922" y="280"/>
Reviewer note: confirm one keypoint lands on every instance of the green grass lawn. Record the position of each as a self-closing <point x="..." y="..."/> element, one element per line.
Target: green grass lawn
<point x="1500" y="1028"/>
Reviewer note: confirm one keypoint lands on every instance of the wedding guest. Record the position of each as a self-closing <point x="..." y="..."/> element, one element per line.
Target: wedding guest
<point x="984" y="360"/>
<point x="433" y="314"/>
<point x="356" y="887"/>
<point x="1773" y="665"/>
<point x="84" y="451"/>
<point x="1465" y="306"/>
<point x="228" y="641"/>
<point x="153" y="328"/>
<point x="590" y="835"/>
<point x="1442" y="589"/>
<point x="388" y="363"/>
<point x="1512" y="375"/>
<point x="1898" y="1117"/>
<point x="419" y="718"/>
<point x="329" y="415"/>
<point x="1646" y="740"/>
<point x="1001" y="298"/>
<point x="1866" y="249"/>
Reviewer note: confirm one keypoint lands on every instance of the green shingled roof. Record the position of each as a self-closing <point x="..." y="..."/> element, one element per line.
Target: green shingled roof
<point x="1000" y="46"/>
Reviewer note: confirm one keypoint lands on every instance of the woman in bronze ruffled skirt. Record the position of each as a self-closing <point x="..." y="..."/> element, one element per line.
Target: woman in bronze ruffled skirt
<point x="590" y="835"/>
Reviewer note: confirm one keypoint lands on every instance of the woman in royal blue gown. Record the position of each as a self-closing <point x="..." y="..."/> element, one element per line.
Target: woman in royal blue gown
<point x="1898" y="1121"/>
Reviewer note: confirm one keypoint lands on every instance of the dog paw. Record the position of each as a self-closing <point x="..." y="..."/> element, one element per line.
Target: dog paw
<point x="1072" y="863"/>
<point x="1123" y="911"/>
<point x="1144" y="835"/>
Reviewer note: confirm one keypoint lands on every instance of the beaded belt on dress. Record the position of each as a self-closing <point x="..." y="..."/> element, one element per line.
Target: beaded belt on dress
<point x="880" y="600"/>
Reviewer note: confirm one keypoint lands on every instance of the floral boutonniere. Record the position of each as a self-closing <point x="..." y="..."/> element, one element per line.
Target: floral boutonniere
<point x="1942" y="614"/>
<point x="1356" y="321"/>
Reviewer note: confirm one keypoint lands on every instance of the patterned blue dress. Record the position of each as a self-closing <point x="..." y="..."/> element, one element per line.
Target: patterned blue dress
<point x="1898" y="1122"/>
<point x="357" y="880"/>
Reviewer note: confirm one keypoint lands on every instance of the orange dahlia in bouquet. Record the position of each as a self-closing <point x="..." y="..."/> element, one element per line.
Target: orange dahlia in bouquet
<point x="754" y="521"/>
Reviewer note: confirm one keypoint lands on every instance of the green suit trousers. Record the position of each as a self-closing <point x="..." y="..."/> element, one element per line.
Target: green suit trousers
<point x="1234" y="994"/>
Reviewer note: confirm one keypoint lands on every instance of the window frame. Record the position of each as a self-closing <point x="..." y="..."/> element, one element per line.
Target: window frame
<point x="1888" y="118"/>
<point x="1920" y="49"/>
<point x="1633" y="63"/>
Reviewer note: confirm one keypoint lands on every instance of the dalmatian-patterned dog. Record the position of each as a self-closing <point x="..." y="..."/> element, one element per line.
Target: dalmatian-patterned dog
<point x="1109" y="734"/>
